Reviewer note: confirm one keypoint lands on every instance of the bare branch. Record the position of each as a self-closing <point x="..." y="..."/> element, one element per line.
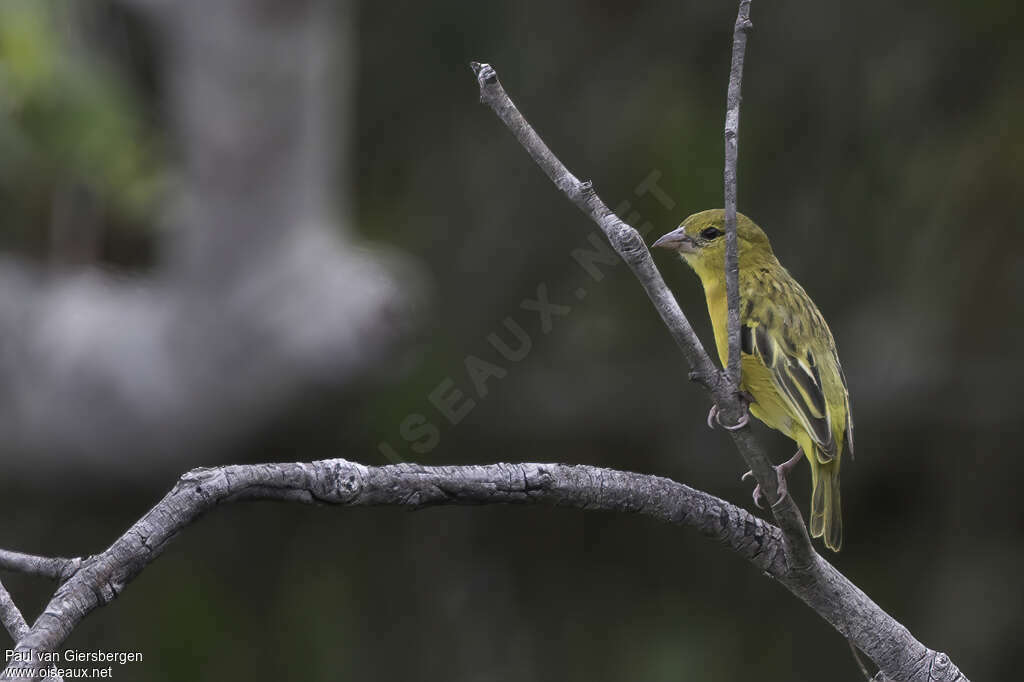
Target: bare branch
<point x="11" y="616"/>
<point x="339" y="482"/>
<point x="626" y="240"/>
<point x="55" y="568"/>
<point x="732" y="132"/>
<point x="786" y="513"/>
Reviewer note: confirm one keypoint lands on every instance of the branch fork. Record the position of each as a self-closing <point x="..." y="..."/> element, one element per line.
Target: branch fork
<point x="806" y="574"/>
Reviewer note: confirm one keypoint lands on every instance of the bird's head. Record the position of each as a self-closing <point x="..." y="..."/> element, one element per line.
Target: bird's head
<point x="700" y="240"/>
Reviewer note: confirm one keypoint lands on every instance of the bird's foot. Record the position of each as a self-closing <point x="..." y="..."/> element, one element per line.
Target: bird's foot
<point x="781" y="471"/>
<point x="713" y="418"/>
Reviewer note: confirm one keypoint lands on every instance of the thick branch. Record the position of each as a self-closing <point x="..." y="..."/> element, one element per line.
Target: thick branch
<point x="732" y="132"/>
<point x="339" y="482"/>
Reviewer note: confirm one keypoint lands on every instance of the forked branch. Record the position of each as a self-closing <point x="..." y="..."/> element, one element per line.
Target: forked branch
<point x="815" y="581"/>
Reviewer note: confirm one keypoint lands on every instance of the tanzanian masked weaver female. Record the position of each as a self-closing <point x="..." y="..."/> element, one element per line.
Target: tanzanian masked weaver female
<point x="789" y="360"/>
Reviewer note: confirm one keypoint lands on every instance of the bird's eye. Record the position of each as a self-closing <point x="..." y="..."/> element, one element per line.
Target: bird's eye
<point x="710" y="232"/>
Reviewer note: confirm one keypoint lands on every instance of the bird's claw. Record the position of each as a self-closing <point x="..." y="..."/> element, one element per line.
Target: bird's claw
<point x="780" y="471"/>
<point x="713" y="418"/>
<point x="759" y="495"/>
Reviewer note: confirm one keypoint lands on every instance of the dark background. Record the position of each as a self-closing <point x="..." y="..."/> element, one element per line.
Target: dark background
<point x="880" y="148"/>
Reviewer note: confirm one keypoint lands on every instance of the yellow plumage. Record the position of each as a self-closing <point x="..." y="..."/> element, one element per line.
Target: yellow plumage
<point x="789" y="359"/>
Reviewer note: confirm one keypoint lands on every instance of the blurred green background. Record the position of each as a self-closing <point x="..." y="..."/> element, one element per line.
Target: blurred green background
<point x="880" y="148"/>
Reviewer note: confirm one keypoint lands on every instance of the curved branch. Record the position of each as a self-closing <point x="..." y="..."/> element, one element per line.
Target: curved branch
<point x="339" y="482"/>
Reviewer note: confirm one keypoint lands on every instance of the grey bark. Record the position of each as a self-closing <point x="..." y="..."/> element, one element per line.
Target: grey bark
<point x="11" y="616"/>
<point x="337" y="482"/>
<point x="54" y="568"/>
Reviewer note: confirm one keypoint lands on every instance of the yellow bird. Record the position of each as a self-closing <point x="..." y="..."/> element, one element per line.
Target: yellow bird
<point x="789" y="360"/>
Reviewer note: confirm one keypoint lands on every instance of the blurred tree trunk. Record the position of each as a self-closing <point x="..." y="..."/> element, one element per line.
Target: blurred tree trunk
<point x="261" y="291"/>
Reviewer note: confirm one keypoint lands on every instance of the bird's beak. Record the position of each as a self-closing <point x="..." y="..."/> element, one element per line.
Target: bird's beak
<point x="676" y="240"/>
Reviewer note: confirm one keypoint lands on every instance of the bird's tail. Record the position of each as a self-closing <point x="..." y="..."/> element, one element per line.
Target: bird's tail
<point x="826" y="514"/>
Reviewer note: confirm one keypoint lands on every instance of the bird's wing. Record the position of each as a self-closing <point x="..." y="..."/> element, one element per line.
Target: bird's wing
<point x="776" y="331"/>
<point x="846" y="399"/>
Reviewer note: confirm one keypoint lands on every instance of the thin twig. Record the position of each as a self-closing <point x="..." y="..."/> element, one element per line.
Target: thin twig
<point x="732" y="132"/>
<point x="798" y="542"/>
<point x="860" y="662"/>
